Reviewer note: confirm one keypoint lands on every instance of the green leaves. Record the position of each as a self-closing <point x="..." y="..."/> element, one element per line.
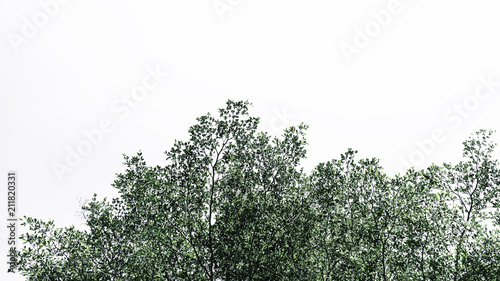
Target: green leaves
<point x="233" y="203"/>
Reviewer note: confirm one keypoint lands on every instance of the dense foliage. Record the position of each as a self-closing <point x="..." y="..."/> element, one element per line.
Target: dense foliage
<point x="232" y="203"/>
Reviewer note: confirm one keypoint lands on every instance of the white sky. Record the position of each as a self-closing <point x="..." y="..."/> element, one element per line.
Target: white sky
<point x="67" y="74"/>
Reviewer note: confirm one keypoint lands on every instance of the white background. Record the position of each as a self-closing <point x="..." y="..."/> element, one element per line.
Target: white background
<point x="404" y="81"/>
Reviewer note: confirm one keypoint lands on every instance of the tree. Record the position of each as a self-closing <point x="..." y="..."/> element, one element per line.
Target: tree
<point x="232" y="203"/>
<point x="474" y="185"/>
<point x="228" y="205"/>
<point x="371" y="227"/>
